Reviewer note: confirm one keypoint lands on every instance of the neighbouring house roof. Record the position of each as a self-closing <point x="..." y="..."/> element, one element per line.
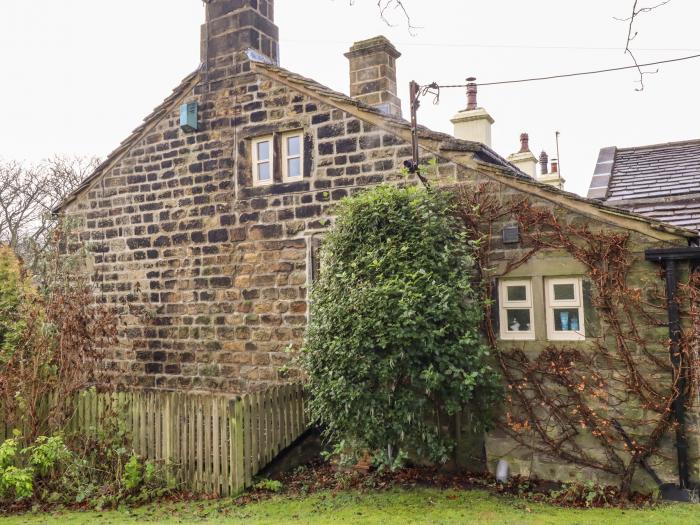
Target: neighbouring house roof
<point x="441" y="144"/>
<point x="660" y="181"/>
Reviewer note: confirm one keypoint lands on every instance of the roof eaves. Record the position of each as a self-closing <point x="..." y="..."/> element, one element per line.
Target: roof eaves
<point x="124" y="146"/>
<point x="670" y="200"/>
<point x="447" y="142"/>
<point x="654" y="224"/>
<point x="486" y="155"/>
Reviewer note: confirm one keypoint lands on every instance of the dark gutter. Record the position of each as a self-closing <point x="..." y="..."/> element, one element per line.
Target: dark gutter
<point x="660" y="255"/>
<point x="669" y="258"/>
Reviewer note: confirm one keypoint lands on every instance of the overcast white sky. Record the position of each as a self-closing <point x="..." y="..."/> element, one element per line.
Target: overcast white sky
<point x="78" y="75"/>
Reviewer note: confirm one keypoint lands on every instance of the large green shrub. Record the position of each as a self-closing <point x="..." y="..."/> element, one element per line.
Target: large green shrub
<point x="393" y="340"/>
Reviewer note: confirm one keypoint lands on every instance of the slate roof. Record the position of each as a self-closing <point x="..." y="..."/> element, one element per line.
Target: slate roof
<point x="452" y="144"/>
<point x="660" y="181"/>
<point x="684" y="212"/>
<point x="448" y="143"/>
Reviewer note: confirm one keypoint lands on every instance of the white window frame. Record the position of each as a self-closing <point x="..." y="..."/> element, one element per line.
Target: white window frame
<point x="504" y="305"/>
<point x="286" y="156"/>
<point x="257" y="162"/>
<point x="576" y="303"/>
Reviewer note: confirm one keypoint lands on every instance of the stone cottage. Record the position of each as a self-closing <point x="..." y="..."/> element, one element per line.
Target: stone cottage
<point x="203" y="224"/>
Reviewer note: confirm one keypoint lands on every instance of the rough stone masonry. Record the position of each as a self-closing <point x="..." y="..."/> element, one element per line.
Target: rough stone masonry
<point x="211" y="272"/>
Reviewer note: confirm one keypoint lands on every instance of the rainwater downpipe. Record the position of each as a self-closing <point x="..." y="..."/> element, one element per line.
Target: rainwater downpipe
<point x="674" y="331"/>
<point x="670" y="258"/>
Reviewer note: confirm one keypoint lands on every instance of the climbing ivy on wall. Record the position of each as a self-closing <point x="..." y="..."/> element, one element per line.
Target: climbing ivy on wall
<point x="619" y="387"/>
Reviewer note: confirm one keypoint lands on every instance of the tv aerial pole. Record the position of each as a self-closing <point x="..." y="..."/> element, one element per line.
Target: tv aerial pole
<point x="416" y="91"/>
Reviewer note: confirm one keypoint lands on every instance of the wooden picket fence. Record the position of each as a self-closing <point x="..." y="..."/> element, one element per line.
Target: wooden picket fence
<point x="216" y="443"/>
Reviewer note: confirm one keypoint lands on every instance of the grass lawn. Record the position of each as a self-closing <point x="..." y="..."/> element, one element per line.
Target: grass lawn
<point x="429" y="506"/>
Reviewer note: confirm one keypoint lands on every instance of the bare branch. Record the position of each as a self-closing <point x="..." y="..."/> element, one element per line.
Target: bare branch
<point x="396" y="5"/>
<point x="640" y="11"/>
<point x="632" y="34"/>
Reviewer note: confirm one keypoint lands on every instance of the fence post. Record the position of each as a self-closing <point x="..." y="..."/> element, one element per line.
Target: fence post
<point x="191" y="446"/>
<point x="215" y="462"/>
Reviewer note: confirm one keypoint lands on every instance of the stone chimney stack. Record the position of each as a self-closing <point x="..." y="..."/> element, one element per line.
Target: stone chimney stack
<point x="235" y="30"/>
<point x="373" y="74"/>
<point x="473" y="123"/>
<point x="524" y="159"/>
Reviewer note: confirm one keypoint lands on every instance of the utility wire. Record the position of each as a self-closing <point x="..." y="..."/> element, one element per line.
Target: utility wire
<point x="493" y="46"/>
<point x="567" y="75"/>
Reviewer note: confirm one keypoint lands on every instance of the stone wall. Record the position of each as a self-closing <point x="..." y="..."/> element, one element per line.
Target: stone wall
<point x="210" y="271"/>
<point x="644" y="276"/>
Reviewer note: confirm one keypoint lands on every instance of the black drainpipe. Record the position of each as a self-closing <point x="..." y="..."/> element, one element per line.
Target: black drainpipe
<point x="670" y="257"/>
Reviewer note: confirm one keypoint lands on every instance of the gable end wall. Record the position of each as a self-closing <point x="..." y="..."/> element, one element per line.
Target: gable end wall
<point x="210" y="272"/>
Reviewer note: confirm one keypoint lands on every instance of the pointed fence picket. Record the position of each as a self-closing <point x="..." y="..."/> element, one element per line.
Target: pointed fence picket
<point x="216" y="443"/>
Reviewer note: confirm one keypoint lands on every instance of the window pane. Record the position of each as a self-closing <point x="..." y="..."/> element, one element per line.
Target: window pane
<point x="264" y="171"/>
<point x="564" y="292"/>
<point x="293" y="146"/>
<point x="294" y="167"/>
<point x="517" y="293"/>
<point x="518" y="320"/>
<point x="264" y="150"/>
<point x="566" y="320"/>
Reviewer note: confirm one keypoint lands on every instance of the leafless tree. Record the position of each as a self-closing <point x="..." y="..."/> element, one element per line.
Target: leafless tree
<point x="28" y="193"/>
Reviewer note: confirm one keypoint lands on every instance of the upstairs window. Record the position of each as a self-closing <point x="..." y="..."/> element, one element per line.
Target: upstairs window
<point x="515" y="310"/>
<point x="263" y="161"/>
<point x="565" y="316"/>
<point x="292" y="156"/>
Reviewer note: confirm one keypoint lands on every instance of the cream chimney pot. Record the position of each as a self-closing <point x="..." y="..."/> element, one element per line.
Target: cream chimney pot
<point x="524" y="159"/>
<point x="473" y="123"/>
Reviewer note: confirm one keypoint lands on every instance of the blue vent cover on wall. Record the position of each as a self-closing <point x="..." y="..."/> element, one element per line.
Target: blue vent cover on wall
<point x="188" y="117"/>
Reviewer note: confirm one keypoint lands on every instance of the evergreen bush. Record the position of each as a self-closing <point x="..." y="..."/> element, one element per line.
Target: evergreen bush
<point x="394" y="336"/>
